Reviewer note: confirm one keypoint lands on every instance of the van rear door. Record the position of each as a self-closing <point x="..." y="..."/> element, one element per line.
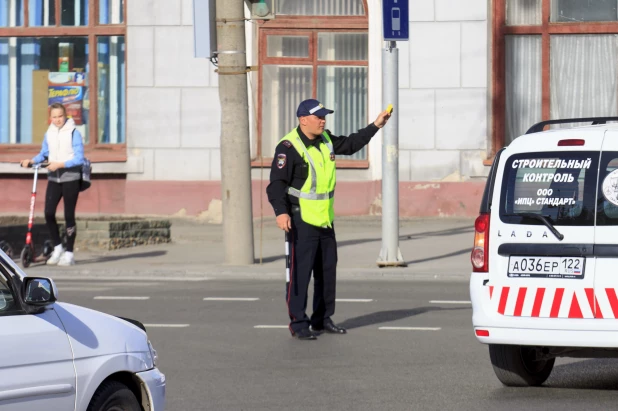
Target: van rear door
<point x="606" y="232"/>
<point x="541" y="236"/>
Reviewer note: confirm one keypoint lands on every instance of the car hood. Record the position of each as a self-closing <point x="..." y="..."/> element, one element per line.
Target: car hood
<point x="93" y="333"/>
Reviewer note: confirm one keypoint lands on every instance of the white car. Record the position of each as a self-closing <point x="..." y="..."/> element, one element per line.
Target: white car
<point x="58" y="357"/>
<point x="545" y="257"/>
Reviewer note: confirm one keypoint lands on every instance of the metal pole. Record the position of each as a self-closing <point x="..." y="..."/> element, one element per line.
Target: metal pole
<point x="235" y="147"/>
<point x="390" y="256"/>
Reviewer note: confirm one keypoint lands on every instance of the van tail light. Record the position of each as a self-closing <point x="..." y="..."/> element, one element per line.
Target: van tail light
<point x="480" y="252"/>
<point x="571" y="142"/>
<point x="482" y="333"/>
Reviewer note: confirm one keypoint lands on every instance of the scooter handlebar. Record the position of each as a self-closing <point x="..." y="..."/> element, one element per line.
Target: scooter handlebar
<point x="38" y="165"/>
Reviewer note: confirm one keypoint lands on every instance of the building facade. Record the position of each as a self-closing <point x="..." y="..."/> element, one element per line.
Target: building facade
<point x="473" y="76"/>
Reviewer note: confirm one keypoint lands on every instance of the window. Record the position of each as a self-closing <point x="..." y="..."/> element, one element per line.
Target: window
<point x="554" y="59"/>
<point x="67" y="51"/>
<point x="607" y="205"/>
<point x="7" y="301"/>
<point x="314" y="49"/>
<point x="534" y="183"/>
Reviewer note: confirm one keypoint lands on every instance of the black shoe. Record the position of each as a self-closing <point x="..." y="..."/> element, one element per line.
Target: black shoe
<point x="304" y="334"/>
<point x="330" y="328"/>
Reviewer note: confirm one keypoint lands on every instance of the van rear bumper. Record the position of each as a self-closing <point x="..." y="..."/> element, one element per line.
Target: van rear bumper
<point x="545" y="338"/>
<point x="558" y="332"/>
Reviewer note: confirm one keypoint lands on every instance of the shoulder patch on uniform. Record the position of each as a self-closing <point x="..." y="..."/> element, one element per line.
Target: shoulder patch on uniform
<point x="287" y="143"/>
<point x="281" y="160"/>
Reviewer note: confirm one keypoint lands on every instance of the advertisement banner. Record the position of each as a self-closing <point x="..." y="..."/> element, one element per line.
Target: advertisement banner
<point x="68" y="89"/>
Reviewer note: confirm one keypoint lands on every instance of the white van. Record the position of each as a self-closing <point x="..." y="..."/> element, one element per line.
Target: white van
<point x="545" y="256"/>
<point x="59" y="357"/>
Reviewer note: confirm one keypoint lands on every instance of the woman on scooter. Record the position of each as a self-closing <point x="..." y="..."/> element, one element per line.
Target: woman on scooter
<point x="64" y="149"/>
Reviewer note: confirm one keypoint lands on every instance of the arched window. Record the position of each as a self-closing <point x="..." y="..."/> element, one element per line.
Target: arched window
<point x="313" y="49"/>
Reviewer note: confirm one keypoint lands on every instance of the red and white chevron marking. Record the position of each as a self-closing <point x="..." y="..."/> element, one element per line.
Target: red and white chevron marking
<point x="546" y="302"/>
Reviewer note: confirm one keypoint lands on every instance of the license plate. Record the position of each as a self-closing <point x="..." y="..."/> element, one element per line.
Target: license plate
<point x="547" y="267"/>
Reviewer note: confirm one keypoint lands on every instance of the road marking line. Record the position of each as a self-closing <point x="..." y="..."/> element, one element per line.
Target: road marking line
<point x="271" y="326"/>
<point x="108" y="283"/>
<point x="108" y="297"/>
<point x="88" y="276"/>
<point x="410" y="328"/>
<point x="166" y="325"/>
<point x="449" y="302"/>
<point x="353" y="300"/>
<point x="229" y="299"/>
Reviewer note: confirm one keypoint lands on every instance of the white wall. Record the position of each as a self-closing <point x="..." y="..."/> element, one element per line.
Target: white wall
<point x="173" y="111"/>
<point x="443" y="91"/>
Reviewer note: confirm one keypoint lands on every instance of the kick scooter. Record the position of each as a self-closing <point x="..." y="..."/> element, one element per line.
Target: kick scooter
<point x="28" y="253"/>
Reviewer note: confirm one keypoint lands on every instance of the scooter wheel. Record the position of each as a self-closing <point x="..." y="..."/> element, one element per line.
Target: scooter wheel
<point x="26" y="257"/>
<point x="48" y="248"/>
<point x="6" y="247"/>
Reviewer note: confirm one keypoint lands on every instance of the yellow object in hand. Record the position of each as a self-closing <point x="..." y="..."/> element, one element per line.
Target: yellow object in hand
<point x="389" y="108"/>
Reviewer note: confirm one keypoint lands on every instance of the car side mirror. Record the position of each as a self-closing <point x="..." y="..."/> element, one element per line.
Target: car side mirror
<point x="39" y="291"/>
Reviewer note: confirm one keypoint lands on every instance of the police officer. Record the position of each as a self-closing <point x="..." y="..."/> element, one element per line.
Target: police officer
<point x="301" y="191"/>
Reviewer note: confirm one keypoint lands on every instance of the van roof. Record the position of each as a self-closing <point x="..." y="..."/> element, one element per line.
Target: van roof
<point x="594" y="120"/>
<point x="538" y="139"/>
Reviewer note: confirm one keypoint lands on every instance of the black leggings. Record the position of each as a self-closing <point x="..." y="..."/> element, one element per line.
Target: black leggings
<point x="55" y="191"/>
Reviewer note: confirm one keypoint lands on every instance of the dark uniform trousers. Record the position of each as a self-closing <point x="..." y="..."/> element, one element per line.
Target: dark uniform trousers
<point x="311" y="249"/>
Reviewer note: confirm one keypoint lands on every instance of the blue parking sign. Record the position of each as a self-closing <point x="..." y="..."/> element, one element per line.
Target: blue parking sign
<point x="395" y="20"/>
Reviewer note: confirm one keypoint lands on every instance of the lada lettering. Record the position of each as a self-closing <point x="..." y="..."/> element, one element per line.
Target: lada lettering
<point x="528" y="234"/>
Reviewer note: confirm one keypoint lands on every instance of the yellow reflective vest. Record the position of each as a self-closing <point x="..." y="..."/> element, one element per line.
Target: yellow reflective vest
<point x="316" y="196"/>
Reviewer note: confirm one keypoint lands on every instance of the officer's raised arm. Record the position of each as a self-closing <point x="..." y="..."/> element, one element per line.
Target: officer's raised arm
<point x="354" y="142"/>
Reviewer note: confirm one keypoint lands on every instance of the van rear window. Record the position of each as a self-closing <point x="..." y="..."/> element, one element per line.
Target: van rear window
<point x="607" y="208"/>
<point x="558" y="185"/>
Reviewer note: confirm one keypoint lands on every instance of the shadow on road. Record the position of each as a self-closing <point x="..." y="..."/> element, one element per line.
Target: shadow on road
<point x="415" y="236"/>
<point x="590" y="374"/>
<point x="439" y="257"/>
<point x="393" y="315"/>
<point x="109" y="258"/>
<point x="405" y="237"/>
<point x="594" y="373"/>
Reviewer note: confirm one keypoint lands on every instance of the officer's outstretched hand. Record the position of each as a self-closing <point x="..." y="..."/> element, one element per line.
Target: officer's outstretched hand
<point x="284" y="222"/>
<point x="382" y="119"/>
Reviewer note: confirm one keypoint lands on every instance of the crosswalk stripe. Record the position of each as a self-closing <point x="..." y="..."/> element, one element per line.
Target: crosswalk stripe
<point x="270" y="326"/>
<point x="449" y="302"/>
<point x="166" y="325"/>
<point x="229" y="299"/>
<point x="410" y="328"/>
<point x="353" y="300"/>
<point x="110" y="297"/>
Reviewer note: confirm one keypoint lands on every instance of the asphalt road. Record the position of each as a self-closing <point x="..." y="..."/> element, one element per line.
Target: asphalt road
<point x="223" y="354"/>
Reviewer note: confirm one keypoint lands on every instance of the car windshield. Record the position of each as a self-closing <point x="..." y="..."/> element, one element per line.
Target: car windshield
<point x="561" y="186"/>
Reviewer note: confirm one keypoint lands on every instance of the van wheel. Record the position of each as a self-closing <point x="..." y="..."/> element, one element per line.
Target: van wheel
<point x="114" y="396"/>
<point x="517" y="366"/>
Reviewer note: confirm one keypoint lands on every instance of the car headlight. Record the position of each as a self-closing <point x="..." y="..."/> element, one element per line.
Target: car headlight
<point x="153" y="354"/>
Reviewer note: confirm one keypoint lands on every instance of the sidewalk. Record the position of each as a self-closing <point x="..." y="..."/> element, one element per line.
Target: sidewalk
<point x="433" y="249"/>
